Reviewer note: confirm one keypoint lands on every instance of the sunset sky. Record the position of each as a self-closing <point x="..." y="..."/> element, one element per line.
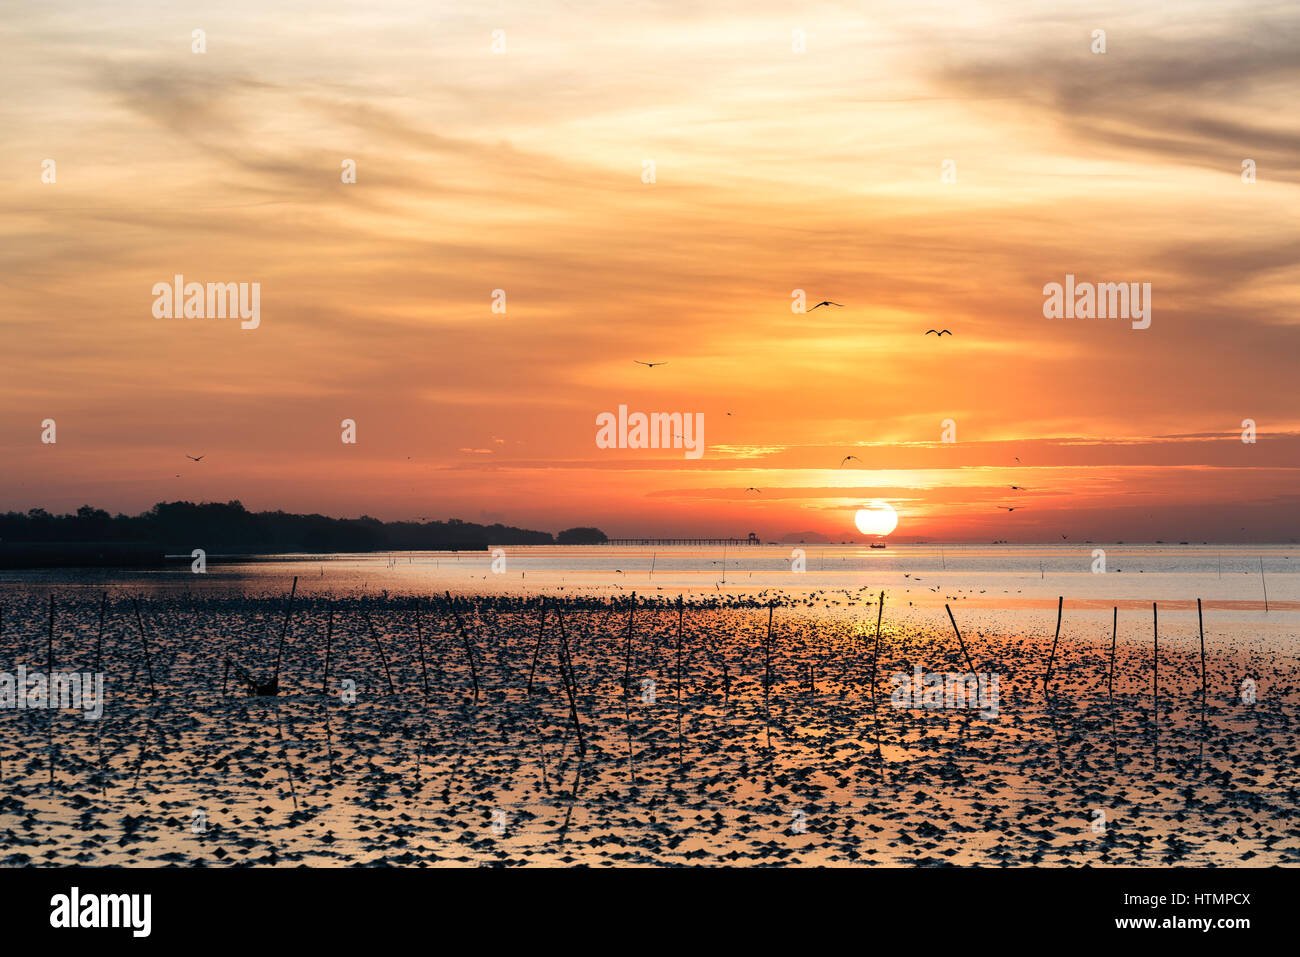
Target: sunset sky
<point x="774" y="171"/>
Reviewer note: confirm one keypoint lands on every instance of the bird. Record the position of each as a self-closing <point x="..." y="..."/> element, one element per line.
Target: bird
<point x="650" y="364"/>
<point x="939" y="333"/>
<point x="199" y="459"/>
<point x="752" y="489"/>
<point x="847" y="457"/>
<point x="826" y="302"/>
<point x="1020" y="488"/>
<point x="1011" y="508"/>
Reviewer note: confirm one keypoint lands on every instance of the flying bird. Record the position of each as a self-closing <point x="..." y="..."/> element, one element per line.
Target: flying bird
<point x="940" y="333"/>
<point x="752" y="489"/>
<point x="827" y="302"/>
<point x="650" y="364"/>
<point x="199" y="459"/>
<point x="1020" y="488"/>
<point x="847" y="457"/>
<point x="1011" y="508"/>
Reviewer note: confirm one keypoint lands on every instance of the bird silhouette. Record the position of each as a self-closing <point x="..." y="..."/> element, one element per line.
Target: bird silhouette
<point x="1011" y="508"/>
<point x="940" y="333"/>
<point x="826" y="302"/>
<point x="199" y="459"/>
<point x="1020" y="488"/>
<point x="752" y="489"/>
<point x="650" y="364"/>
<point x="847" y="457"/>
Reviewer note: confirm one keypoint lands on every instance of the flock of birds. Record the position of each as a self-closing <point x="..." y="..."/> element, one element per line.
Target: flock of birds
<point x="844" y="461"/>
<point x="853" y="458"/>
<point x="729" y="745"/>
<point x="825" y="302"/>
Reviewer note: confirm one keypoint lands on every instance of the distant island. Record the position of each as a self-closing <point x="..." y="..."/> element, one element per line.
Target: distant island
<point x="805" y="538"/>
<point x="92" y="536"/>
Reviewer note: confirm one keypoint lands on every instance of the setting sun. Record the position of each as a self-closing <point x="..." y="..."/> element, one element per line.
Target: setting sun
<point x="878" y="518"/>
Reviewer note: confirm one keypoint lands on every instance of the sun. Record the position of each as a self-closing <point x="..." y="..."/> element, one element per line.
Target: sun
<point x="878" y="518"/>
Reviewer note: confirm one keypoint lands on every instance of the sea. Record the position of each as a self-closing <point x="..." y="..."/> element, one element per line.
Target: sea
<point x="1247" y="582"/>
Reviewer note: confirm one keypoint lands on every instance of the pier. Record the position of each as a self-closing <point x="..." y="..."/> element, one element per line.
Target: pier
<point x="752" y="540"/>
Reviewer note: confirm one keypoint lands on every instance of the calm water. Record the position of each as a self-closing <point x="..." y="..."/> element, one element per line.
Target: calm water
<point x="1010" y="577"/>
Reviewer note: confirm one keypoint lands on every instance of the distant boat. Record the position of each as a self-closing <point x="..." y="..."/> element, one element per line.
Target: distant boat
<point x="878" y="545"/>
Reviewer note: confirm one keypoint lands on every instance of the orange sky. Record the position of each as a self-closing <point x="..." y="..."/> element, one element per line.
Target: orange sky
<point x="775" y="171"/>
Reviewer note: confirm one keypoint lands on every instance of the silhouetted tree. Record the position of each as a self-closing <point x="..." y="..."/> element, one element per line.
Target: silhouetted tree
<point x="581" y="536"/>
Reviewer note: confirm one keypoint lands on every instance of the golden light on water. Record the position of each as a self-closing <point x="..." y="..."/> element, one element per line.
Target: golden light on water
<point x="878" y="518"/>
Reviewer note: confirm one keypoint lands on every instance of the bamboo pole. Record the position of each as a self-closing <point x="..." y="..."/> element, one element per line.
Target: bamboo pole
<point x="875" y="655"/>
<point x="99" y="638"/>
<point x="1060" y="601"/>
<point x="284" y="633"/>
<point x="469" y="651"/>
<point x="680" y="612"/>
<point x="49" y="644"/>
<point x="382" y="657"/>
<point x="49" y="677"/>
<point x="767" y="679"/>
<point x="959" y="640"/>
<point x="1200" y="625"/>
<point x="1114" y="630"/>
<point x="537" y="649"/>
<point x="145" y="639"/>
<point x="419" y="640"/>
<point x="627" y="656"/>
<point x="329" y="635"/>
<point x="1155" y="662"/>
<point x="570" y="684"/>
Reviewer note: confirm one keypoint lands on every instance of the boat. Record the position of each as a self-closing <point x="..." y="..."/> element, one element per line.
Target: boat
<point x="877" y="544"/>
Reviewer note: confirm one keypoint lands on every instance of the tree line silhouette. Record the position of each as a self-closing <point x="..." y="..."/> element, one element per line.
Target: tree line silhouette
<point x="228" y="527"/>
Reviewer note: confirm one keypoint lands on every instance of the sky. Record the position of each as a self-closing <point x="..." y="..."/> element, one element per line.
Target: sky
<point x="929" y="166"/>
